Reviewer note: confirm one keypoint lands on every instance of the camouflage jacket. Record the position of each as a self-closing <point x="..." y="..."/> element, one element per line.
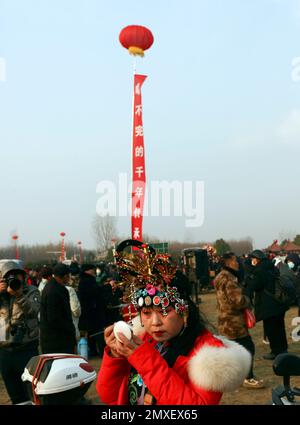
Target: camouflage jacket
<point x="231" y="302"/>
<point x="19" y="318"/>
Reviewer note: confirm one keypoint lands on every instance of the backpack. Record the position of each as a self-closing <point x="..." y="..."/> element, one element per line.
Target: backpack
<point x="285" y="291"/>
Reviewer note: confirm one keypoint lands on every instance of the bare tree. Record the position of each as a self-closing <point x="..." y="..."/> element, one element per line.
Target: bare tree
<point x="104" y="230"/>
<point x="241" y="246"/>
<point x="43" y="254"/>
<point x="286" y="235"/>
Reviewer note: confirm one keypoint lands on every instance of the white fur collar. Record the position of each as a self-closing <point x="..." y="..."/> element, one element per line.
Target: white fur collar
<point x="220" y="368"/>
<point x="213" y="368"/>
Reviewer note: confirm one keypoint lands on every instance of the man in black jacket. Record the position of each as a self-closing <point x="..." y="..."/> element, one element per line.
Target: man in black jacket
<point x="93" y="309"/>
<point x="261" y="284"/>
<point x="57" y="332"/>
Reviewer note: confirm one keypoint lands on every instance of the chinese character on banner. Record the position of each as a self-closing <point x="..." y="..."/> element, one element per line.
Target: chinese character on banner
<point x="139" y="151"/>
<point x="139" y="192"/>
<point x="138" y="161"/>
<point x="139" y="171"/>
<point x="139" y="132"/>
<point x="138" y="88"/>
<point x="137" y="212"/>
<point x="136" y="233"/>
<point x="138" y="109"/>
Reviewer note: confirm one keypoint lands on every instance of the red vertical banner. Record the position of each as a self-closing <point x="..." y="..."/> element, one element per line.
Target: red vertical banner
<point x="138" y="161"/>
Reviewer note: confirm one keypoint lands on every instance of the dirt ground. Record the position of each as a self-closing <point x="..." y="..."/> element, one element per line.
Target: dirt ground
<point x="262" y="368"/>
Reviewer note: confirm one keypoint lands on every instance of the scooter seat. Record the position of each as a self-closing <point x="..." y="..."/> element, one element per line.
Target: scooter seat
<point x="287" y="364"/>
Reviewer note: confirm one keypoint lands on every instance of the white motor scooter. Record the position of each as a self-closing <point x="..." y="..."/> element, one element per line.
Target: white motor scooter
<point x="57" y="379"/>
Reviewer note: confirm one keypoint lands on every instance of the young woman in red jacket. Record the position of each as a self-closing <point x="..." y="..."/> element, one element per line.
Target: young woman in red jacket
<point x="171" y="358"/>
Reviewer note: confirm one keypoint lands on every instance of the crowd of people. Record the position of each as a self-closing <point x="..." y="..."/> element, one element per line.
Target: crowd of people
<point x="172" y="357"/>
<point x="47" y="310"/>
<point x="251" y="283"/>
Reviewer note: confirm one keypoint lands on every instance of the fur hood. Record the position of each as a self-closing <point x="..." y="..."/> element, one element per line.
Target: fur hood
<point x="220" y="369"/>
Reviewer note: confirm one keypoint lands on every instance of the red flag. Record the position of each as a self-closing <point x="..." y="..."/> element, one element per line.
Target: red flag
<point x="138" y="162"/>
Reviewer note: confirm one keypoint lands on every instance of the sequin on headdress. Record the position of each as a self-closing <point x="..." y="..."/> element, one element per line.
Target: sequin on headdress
<point x="148" y="276"/>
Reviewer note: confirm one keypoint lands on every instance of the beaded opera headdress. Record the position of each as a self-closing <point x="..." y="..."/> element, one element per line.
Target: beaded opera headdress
<point x="148" y="276"/>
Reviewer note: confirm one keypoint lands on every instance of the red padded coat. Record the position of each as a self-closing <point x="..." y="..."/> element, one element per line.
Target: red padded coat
<point x="194" y="379"/>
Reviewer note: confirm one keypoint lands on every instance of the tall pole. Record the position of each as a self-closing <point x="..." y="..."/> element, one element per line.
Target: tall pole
<point x="15" y="239"/>
<point x="136" y="39"/>
<point x="79" y="243"/>
<point x="63" y="255"/>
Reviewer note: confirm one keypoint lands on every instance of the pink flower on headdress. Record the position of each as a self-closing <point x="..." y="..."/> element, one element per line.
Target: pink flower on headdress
<point x="151" y="289"/>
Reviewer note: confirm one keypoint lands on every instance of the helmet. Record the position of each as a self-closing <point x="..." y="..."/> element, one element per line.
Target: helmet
<point x="10" y="266"/>
<point x="257" y="253"/>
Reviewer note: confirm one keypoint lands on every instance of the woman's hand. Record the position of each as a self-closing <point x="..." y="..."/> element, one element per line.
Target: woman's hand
<point x="126" y="347"/>
<point x="123" y="348"/>
<point x="111" y="340"/>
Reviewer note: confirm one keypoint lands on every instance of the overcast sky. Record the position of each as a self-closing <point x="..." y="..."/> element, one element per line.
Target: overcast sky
<point x="221" y="105"/>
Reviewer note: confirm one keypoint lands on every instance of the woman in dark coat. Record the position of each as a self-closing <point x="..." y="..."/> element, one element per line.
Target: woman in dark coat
<point x="259" y="283"/>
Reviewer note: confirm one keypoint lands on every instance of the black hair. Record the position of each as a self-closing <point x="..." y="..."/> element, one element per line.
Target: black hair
<point x="46" y="272"/>
<point x="61" y="270"/>
<point x="74" y="268"/>
<point x="225" y="257"/>
<point x="182" y="344"/>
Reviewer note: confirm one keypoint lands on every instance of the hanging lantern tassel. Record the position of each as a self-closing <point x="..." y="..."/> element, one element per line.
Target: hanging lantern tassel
<point x="136" y="51"/>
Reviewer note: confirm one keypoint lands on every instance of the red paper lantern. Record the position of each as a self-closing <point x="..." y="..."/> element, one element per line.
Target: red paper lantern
<point x="15" y="237"/>
<point x="136" y="39"/>
<point x="62" y="234"/>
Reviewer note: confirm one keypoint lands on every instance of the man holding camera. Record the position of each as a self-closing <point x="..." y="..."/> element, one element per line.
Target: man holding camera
<point x="19" y="329"/>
